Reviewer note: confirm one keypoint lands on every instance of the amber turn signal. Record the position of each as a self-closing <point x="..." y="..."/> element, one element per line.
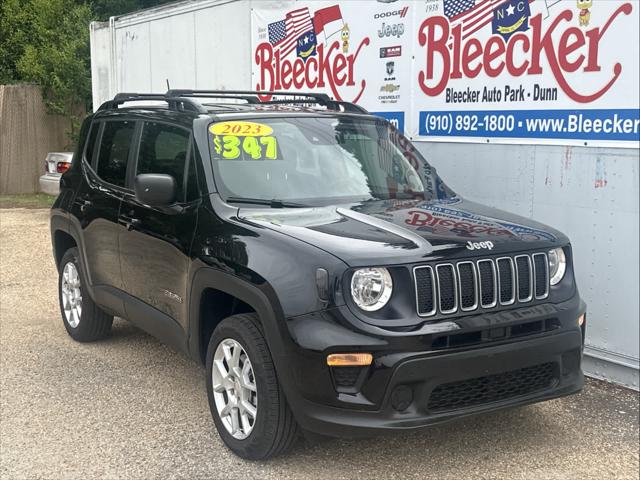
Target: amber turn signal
<point x="581" y="320"/>
<point x="349" y="359"/>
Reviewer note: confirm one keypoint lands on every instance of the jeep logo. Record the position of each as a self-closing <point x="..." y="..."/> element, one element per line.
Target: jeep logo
<point x="395" y="30"/>
<point x="479" y="245"/>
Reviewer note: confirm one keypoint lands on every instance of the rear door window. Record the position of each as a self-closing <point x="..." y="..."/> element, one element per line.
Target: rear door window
<point x="117" y="137"/>
<point x="164" y="149"/>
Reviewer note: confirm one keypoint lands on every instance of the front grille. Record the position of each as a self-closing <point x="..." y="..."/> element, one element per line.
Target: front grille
<point x="487" y="280"/>
<point x="447" y="291"/>
<point x="467" y="286"/>
<point x="525" y="280"/>
<point x="506" y="283"/>
<point x="426" y="294"/>
<point x="486" y="283"/>
<point x="541" y="274"/>
<point x="492" y="388"/>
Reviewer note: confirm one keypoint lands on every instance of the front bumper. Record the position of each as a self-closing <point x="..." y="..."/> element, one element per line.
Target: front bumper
<point x="434" y="385"/>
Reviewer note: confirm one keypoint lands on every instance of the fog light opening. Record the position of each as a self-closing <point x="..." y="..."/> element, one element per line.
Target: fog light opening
<point x="349" y="359"/>
<point x="401" y="397"/>
<point x="581" y="320"/>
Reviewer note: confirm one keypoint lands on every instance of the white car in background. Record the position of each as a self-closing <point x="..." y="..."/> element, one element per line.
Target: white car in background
<point x="55" y="165"/>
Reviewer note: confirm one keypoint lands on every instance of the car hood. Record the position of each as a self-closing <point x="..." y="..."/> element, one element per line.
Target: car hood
<point x="406" y="231"/>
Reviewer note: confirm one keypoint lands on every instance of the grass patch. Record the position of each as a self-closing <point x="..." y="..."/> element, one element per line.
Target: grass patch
<point x="30" y="200"/>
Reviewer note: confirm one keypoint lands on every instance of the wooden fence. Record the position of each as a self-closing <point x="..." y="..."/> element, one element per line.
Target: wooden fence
<point x="27" y="134"/>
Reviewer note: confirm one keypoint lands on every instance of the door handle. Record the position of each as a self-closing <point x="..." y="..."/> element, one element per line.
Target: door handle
<point x="84" y="205"/>
<point x="129" y="222"/>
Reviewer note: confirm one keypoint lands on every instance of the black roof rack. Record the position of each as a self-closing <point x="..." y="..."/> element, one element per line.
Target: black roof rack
<point x="334" y="105"/>
<point x="320" y="98"/>
<point x="249" y="97"/>
<point x="179" y="104"/>
<point x="181" y="100"/>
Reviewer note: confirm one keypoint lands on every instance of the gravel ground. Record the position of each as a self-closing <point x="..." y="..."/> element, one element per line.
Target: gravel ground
<point x="130" y="407"/>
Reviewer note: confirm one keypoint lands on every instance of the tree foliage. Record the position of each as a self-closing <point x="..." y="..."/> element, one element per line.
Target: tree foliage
<point x="47" y="42"/>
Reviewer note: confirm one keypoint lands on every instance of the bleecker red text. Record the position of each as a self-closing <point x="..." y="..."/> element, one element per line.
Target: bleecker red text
<point x="469" y="58"/>
<point x="331" y="67"/>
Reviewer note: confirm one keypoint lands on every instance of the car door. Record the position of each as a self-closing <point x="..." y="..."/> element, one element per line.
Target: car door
<point x="97" y="202"/>
<point x="155" y="243"/>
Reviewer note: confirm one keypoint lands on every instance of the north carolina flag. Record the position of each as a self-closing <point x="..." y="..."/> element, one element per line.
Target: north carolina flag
<point x="328" y="20"/>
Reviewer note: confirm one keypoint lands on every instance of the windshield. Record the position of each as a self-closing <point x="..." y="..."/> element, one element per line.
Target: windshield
<point x="319" y="161"/>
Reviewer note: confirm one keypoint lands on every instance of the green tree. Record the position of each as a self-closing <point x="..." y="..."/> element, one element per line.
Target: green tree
<point x="47" y="42"/>
<point x="16" y="20"/>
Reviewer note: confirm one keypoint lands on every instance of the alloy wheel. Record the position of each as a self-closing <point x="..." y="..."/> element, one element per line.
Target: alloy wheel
<point x="234" y="388"/>
<point x="71" y="295"/>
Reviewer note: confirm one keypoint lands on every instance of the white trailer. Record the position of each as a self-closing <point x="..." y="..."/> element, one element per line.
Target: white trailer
<point x="589" y="192"/>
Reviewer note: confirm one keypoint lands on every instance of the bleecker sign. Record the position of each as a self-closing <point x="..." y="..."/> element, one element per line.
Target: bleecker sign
<point x="308" y="47"/>
<point x="543" y="71"/>
<point x="469" y="58"/>
<point x="338" y="48"/>
<point x="331" y="68"/>
<point x="513" y="71"/>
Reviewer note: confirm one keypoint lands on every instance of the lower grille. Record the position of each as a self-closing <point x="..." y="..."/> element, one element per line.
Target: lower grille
<point x="492" y="388"/>
<point x="495" y="334"/>
<point x="346" y="376"/>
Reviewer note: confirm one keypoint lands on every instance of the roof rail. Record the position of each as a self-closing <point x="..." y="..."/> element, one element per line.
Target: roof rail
<point x="178" y="104"/>
<point x="321" y="98"/>
<point x="181" y="99"/>
<point x="300" y="98"/>
<point x="212" y="94"/>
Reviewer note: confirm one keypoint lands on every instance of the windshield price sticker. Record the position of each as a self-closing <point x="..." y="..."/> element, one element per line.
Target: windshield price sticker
<point x="249" y="139"/>
<point x="241" y="129"/>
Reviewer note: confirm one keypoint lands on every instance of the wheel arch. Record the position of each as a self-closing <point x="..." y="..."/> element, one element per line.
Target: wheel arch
<point x="62" y="241"/>
<point x="66" y="228"/>
<point x="212" y="285"/>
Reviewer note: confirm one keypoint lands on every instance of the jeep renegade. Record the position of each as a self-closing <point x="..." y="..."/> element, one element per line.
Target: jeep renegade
<point x="308" y="255"/>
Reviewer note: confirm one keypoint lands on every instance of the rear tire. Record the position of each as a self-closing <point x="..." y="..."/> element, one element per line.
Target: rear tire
<point x="274" y="429"/>
<point x="83" y="319"/>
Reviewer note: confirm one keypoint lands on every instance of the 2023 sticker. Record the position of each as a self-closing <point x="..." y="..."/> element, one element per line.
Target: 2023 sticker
<point x="241" y="129"/>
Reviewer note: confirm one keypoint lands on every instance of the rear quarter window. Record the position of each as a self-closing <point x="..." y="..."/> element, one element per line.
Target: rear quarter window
<point x="115" y="146"/>
<point x="90" y="146"/>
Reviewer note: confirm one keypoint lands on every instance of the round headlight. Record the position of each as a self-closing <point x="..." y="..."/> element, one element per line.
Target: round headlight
<point x="371" y="288"/>
<point x="557" y="265"/>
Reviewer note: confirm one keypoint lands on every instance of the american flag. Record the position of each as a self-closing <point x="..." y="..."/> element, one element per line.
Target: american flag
<point x="456" y="7"/>
<point x="472" y="14"/>
<point x="284" y="33"/>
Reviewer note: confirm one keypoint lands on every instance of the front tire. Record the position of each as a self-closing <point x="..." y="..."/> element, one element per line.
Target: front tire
<point x="246" y="401"/>
<point x="83" y="319"/>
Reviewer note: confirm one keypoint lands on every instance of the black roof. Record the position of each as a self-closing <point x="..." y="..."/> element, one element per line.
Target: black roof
<point x="186" y="104"/>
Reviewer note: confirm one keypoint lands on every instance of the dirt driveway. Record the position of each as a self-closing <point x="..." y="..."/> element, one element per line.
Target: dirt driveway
<point x="130" y="407"/>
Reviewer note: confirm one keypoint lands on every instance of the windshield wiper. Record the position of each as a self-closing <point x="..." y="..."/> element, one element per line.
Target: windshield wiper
<point x="273" y="203"/>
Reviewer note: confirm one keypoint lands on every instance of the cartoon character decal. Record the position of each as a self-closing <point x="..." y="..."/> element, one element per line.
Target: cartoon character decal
<point x="585" y="14"/>
<point x="344" y="35"/>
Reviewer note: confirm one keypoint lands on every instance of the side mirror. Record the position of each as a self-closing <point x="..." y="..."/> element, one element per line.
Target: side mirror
<point x="155" y="189"/>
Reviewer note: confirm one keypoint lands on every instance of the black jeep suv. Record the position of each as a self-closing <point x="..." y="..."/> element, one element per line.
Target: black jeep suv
<point x="311" y="258"/>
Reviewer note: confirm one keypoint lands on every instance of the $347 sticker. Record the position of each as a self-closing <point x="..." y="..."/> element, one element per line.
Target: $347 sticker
<point x="230" y="139"/>
<point x="257" y="147"/>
